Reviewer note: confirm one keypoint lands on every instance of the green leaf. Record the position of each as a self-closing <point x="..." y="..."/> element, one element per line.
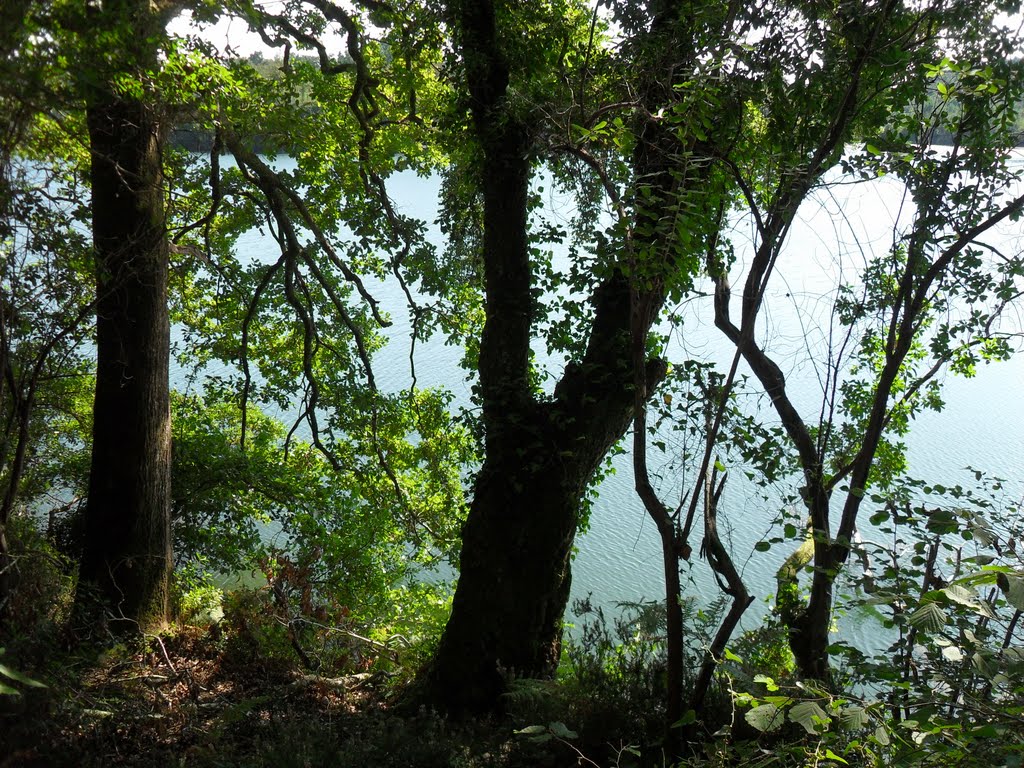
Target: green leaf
<point x="952" y="653"/>
<point x="830" y="755"/>
<point x="6" y="690"/>
<point x="532" y="730"/>
<point x="1014" y="590"/>
<point x="768" y="682"/>
<point x="561" y="731"/>
<point x="811" y="716"/>
<point x="983" y="665"/>
<point x="853" y="717"/>
<point x="928" y="618"/>
<point x="763" y="546"/>
<point x="882" y="736"/>
<point x="961" y="595"/>
<point x="765" y="718"/>
<point x="688" y="717"/>
<point x="19" y="677"/>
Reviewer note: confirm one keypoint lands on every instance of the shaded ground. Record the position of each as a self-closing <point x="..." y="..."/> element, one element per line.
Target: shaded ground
<point x="188" y="699"/>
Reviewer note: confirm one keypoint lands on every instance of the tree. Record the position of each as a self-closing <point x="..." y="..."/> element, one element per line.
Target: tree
<point x="300" y="331"/>
<point x="903" y="320"/>
<point x="706" y="123"/>
<point x="127" y="553"/>
<point x="43" y="309"/>
<point x="541" y="452"/>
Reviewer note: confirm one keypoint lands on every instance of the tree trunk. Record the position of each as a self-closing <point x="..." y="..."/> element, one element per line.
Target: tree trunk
<point x="514" y="580"/>
<point x="517" y="542"/>
<point x="808" y="633"/>
<point x="539" y="455"/>
<point x="127" y="551"/>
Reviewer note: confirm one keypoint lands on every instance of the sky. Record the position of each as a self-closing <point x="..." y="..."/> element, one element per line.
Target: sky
<point x="235" y="33"/>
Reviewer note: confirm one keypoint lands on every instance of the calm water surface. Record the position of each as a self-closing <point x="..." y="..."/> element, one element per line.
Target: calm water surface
<point x="619" y="560"/>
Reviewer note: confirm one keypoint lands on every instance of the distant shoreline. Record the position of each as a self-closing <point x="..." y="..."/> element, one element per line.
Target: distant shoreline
<point x="194" y="139"/>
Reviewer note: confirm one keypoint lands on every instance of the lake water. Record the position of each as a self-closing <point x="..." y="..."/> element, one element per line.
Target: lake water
<point x="619" y="560"/>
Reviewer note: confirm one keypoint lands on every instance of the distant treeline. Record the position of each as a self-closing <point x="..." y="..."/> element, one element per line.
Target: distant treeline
<point x="943" y="138"/>
<point x="195" y="139"/>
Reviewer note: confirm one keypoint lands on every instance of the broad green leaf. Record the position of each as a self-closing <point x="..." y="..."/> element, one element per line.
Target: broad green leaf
<point x="811" y="716"/>
<point x="688" y="717"/>
<point x="930" y="617"/>
<point x="882" y="735"/>
<point x="6" y="690"/>
<point x="1014" y="590"/>
<point x="561" y="731"/>
<point x="952" y="653"/>
<point x="1014" y="654"/>
<point x="830" y="755"/>
<point x="532" y="730"/>
<point x="984" y="665"/>
<point x="765" y="718"/>
<point x="961" y="595"/>
<point x="853" y="717"/>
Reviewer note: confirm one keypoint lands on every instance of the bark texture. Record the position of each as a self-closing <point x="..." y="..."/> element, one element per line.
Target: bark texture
<point x="127" y="551"/>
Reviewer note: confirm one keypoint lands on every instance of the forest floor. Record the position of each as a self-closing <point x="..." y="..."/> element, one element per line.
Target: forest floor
<point x="186" y="699"/>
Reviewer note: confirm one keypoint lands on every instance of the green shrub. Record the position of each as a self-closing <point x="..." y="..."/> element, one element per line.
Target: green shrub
<point x="43" y="584"/>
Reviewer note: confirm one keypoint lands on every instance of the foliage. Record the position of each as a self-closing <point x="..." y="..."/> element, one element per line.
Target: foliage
<point x="932" y="299"/>
<point x="946" y="594"/>
<point x="44" y="584"/>
<point x="197" y="600"/>
<point x="294" y="460"/>
<point x="13" y="675"/>
<point x="44" y="313"/>
<point x="612" y="678"/>
<point x="763" y="650"/>
<point x="298" y="335"/>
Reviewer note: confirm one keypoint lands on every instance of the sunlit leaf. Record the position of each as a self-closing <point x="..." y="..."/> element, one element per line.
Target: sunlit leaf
<point x="930" y="617"/>
<point x="952" y="653"/>
<point x="809" y="715"/>
<point x="765" y="718"/>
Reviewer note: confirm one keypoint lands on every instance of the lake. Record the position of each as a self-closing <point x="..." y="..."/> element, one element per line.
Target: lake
<point x="619" y="559"/>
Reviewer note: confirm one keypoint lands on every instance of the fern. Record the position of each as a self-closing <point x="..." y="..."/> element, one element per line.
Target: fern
<point x="532" y="699"/>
